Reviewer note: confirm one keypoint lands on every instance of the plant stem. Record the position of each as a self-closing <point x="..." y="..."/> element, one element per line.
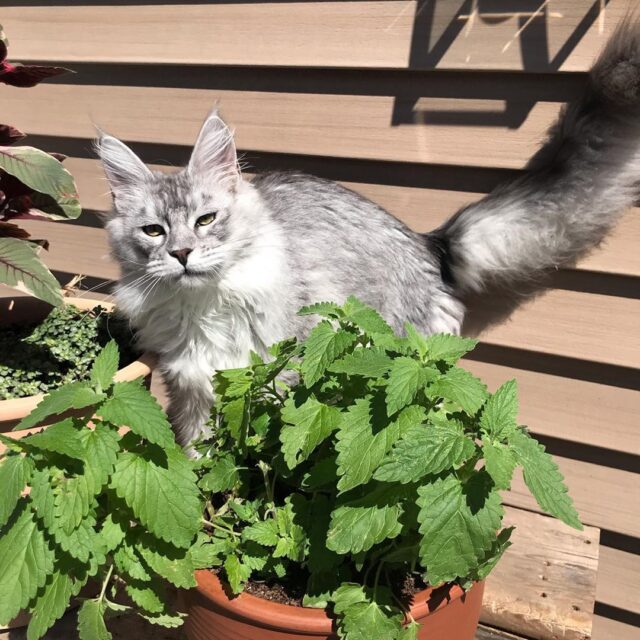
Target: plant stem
<point x="220" y="527"/>
<point x="377" y="578"/>
<point x="105" y="584"/>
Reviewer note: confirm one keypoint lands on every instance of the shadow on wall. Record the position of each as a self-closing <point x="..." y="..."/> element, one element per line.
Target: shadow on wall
<point x="432" y="38"/>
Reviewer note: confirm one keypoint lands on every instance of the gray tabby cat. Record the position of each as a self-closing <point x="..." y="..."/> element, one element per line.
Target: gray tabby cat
<point x="214" y="266"/>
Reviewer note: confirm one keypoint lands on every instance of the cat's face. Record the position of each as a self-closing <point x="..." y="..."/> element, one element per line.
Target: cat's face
<point x="179" y="227"/>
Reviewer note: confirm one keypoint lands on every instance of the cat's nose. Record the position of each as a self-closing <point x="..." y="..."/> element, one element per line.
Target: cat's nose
<point x="181" y="255"/>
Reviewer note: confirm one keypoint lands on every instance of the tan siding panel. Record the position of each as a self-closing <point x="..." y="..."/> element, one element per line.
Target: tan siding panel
<point x="333" y="34"/>
<point x="607" y="629"/>
<point x="345" y="126"/>
<point x="618" y="582"/>
<point x="421" y="209"/>
<point x="605" y="497"/>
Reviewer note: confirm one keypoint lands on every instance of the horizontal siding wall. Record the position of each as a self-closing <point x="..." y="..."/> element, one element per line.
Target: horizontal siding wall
<point x="423" y="107"/>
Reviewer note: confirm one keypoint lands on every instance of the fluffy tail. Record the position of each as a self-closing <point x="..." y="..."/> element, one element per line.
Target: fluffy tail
<point x="574" y="190"/>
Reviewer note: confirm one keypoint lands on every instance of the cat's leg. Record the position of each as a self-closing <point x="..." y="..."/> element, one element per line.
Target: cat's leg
<point x="190" y="399"/>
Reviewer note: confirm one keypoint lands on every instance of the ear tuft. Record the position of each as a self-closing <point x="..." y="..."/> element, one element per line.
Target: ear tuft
<point x="214" y="152"/>
<point x="124" y="170"/>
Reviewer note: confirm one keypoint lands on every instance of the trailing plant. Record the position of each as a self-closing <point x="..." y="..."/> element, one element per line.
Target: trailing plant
<point x="60" y="349"/>
<point x="33" y="184"/>
<point x="384" y="459"/>
<point x="123" y="510"/>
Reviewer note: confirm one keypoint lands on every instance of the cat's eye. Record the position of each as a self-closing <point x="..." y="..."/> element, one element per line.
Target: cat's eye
<point x="153" y="230"/>
<point x="206" y="219"/>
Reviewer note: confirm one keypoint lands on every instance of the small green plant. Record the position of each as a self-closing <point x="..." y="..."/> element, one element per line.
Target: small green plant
<point x="121" y="510"/>
<point x="61" y="349"/>
<point x="385" y="459"/>
<point x="33" y="184"/>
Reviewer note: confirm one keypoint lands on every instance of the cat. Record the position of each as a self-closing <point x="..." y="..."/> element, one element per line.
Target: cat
<point x="214" y="266"/>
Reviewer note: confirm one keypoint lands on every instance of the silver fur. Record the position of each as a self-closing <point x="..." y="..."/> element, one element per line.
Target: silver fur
<point x="288" y="239"/>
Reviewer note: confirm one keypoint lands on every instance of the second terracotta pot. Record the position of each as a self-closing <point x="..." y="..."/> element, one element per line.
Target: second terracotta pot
<point x="446" y="613"/>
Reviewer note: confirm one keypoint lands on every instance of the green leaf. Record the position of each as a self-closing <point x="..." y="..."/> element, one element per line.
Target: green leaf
<point x="368" y="620"/>
<point x="264" y="532"/>
<point x="237" y="573"/>
<point x="416" y="341"/>
<point x="148" y="596"/>
<point x="174" y="565"/>
<point x="364" y="437"/>
<point x="82" y="542"/>
<point x="496" y="552"/>
<point x="371" y="362"/>
<point x="321" y="348"/>
<point x="21" y="267"/>
<point x="365" y="318"/>
<point x="499" y="415"/>
<point x="76" y="395"/>
<point x="359" y="524"/>
<point x="346" y="595"/>
<point x="72" y="502"/>
<point x="325" y="309"/>
<point x="162" y="494"/>
<point x="542" y="476"/>
<point x="133" y="406"/>
<point x="236" y="415"/>
<point x="50" y="604"/>
<point x="44" y="174"/>
<point x="91" y="624"/>
<point x="105" y="366"/>
<point x="406" y="378"/>
<point x="165" y="620"/>
<point x="129" y="562"/>
<point x="42" y="496"/>
<point x="499" y="461"/>
<point x="111" y="534"/>
<point x="101" y="447"/>
<point x="222" y="476"/>
<point x="234" y="383"/>
<point x="447" y="347"/>
<point x="459" y="523"/>
<point x="461" y="388"/>
<point x="15" y="472"/>
<point x="25" y="562"/>
<point x="410" y="632"/>
<point x="62" y="437"/>
<point x="306" y="426"/>
<point x="426" y="450"/>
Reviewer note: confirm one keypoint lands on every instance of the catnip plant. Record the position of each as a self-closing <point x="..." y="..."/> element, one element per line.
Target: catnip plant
<point x="382" y="458"/>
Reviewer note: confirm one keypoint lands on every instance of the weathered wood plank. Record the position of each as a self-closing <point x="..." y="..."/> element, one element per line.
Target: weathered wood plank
<point x="608" y="629"/>
<point x="619" y="579"/>
<point x="545" y="585"/>
<point x="540" y="36"/>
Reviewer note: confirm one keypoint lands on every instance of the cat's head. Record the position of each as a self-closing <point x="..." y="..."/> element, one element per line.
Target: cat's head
<point x="182" y="228"/>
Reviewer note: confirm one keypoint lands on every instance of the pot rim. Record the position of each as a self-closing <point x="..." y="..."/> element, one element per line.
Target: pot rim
<point x="274" y="615"/>
<point x="18" y="408"/>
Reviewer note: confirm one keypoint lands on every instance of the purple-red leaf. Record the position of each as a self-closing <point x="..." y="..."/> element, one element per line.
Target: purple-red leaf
<point x="28" y="75"/>
<point x="9" y="134"/>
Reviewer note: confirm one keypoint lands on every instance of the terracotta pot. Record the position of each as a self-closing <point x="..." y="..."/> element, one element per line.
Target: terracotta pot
<point x="14" y="310"/>
<point x="446" y="613"/>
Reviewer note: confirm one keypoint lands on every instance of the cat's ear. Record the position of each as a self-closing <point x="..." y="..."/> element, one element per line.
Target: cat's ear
<point x="214" y="152"/>
<point x="125" y="172"/>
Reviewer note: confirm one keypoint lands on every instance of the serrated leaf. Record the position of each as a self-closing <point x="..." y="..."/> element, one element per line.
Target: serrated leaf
<point x="42" y="496"/>
<point x="105" y="366"/>
<point x="359" y="524"/>
<point x="367" y="620"/>
<point x="407" y="376"/>
<point x="416" y="341"/>
<point x="459" y="523"/>
<point x="165" y="620"/>
<point x="91" y="624"/>
<point x="364" y="437"/>
<point x="426" y="450"/>
<point x="494" y="555"/>
<point x="236" y="572"/>
<point x="21" y="267"/>
<point x="255" y="556"/>
<point x="371" y="362"/>
<point x="161" y="493"/>
<point x="101" y="446"/>
<point x="499" y="461"/>
<point x="25" y="562"/>
<point x="131" y="405"/>
<point x="346" y="595"/>
<point x="206" y="552"/>
<point x="75" y="395"/>
<point x="15" y="472"/>
<point x="129" y="562"/>
<point x="62" y="437"/>
<point x="543" y="478"/>
<point x="324" y="309"/>
<point x="499" y="415"/>
<point x="264" y="532"/>
<point x="50" y="604"/>
<point x="306" y="426"/>
<point x="234" y="383"/>
<point x="71" y="502"/>
<point x="321" y="348"/>
<point x="365" y="318"/>
<point x="174" y="565"/>
<point x="222" y="476"/>
<point x="461" y="388"/>
<point x="236" y="414"/>
<point x="148" y="596"/>
<point x="82" y="542"/>
<point x="410" y="632"/>
<point x="447" y="347"/>
<point x="111" y="534"/>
